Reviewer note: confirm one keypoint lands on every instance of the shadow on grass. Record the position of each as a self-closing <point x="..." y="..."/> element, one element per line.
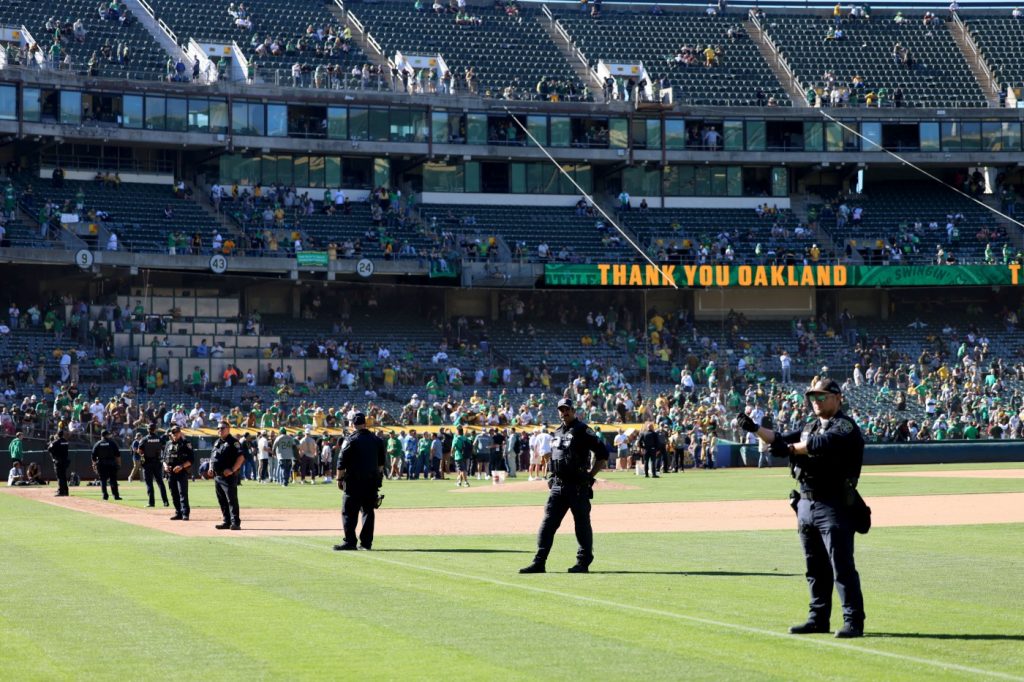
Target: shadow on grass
<point x="728" y="574"/>
<point x="459" y="550"/>
<point x="935" y="635"/>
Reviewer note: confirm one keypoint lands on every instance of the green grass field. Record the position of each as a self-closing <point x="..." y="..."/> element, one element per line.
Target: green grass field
<point x="91" y="598"/>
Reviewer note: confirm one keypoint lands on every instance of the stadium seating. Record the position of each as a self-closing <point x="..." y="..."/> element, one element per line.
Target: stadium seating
<point x="999" y="39"/>
<point x="529" y="227"/>
<point x="656" y="39"/>
<point x="147" y="60"/>
<point x="285" y="22"/>
<point x="887" y="207"/>
<point x="136" y="211"/>
<point x="503" y="50"/>
<point x="940" y="76"/>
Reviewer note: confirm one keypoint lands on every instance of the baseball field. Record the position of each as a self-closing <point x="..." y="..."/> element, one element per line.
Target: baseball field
<point x="698" y="576"/>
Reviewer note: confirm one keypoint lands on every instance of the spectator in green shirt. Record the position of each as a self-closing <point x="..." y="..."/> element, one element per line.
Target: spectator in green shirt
<point x="15" y="447"/>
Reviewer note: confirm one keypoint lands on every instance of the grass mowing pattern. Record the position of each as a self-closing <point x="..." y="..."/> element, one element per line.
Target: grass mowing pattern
<point x="107" y="600"/>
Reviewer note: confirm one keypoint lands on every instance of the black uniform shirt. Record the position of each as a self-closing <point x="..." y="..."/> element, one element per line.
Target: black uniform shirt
<point x="105" y="452"/>
<point x="225" y="454"/>
<point x="835" y="454"/>
<point x="361" y="455"/>
<point x="151" y="445"/>
<point x="178" y="453"/>
<point x="58" y="449"/>
<point x="571" y="446"/>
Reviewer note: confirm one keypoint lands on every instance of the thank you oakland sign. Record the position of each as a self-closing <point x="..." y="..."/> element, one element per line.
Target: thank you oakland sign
<point x="649" y="276"/>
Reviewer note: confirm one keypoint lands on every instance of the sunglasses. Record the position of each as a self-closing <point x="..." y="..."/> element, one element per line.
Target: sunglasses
<point x="819" y="397"/>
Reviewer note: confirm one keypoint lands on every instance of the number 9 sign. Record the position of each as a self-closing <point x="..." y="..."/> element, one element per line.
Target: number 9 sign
<point x="84" y="259"/>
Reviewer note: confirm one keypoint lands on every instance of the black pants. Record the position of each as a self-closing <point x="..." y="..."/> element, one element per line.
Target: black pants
<point x="60" y="470"/>
<point x="826" y="534"/>
<point x="154" y="472"/>
<point x="179" y="492"/>
<point x="352" y="505"/>
<point x="650" y="464"/>
<point x="227" y="496"/>
<point x="564" y="498"/>
<point x="108" y="476"/>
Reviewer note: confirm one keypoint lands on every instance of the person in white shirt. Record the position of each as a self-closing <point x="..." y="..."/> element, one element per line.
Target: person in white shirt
<point x="263" y="457"/>
<point x="621" y="443"/>
<point x="786" y="362"/>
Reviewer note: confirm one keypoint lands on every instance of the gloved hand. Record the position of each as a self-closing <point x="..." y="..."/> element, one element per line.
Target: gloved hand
<point x="779" y="448"/>
<point x="341" y="484"/>
<point x="744" y="421"/>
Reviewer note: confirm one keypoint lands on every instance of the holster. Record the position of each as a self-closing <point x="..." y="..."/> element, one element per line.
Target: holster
<point x="794" y="500"/>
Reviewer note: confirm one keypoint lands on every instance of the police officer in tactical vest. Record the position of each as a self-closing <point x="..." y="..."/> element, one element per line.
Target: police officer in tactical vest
<point x="226" y="462"/>
<point x="178" y="461"/>
<point x="151" y="447"/>
<point x="58" y="449"/>
<point x="106" y="460"/>
<point x="825" y="457"/>
<point x="360" y="474"/>
<point x="571" y="483"/>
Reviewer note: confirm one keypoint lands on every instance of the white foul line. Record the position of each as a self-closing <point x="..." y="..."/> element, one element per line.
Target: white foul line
<point x="693" y="619"/>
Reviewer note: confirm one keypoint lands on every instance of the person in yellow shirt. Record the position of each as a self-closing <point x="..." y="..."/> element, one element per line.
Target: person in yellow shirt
<point x="658" y="321"/>
<point x="815" y="253"/>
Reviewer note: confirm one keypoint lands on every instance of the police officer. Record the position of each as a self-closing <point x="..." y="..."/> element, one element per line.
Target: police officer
<point x="151" y="446"/>
<point x="225" y="462"/>
<point x="178" y="461"/>
<point x="360" y="473"/>
<point x="58" y="449"/>
<point x="571" y="484"/>
<point x="825" y="457"/>
<point x="106" y="460"/>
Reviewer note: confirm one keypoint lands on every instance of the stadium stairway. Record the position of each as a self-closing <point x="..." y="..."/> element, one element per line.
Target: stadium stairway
<point x="974" y="59"/>
<point x="360" y="36"/>
<point x="775" y="62"/>
<point x="572" y="54"/>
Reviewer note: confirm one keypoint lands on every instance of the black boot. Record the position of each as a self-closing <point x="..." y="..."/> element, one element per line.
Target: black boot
<point x="808" y="628"/>
<point x="535" y="567"/>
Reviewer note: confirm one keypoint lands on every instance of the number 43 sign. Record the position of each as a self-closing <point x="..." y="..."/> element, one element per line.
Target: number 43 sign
<point x="218" y="264"/>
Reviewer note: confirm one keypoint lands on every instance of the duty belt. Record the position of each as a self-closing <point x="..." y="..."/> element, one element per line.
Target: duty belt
<point x="817" y="497"/>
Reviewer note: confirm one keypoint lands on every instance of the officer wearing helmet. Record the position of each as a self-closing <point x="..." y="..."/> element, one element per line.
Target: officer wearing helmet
<point x="825" y="457"/>
<point x="572" y="487"/>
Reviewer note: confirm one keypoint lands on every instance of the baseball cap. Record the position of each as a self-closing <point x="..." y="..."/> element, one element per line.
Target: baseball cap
<point x="359" y="419"/>
<point x="224" y="422"/>
<point x="175" y="429"/>
<point x="565" y="402"/>
<point x="824" y="386"/>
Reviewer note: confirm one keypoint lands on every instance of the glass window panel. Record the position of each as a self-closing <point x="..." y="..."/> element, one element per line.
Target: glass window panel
<point x="638" y="133"/>
<point x="418" y="122"/>
<point x="218" y="116"/>
<point x="833" y="137"/>
<point x="991" y="136"/>
<point x="951" y="136"/>
<point x="257" y="119"/>
<point x="653" y="133"/>
<point x="584" y="175"/>
<point x="618" y="133"/>
<point x="439" y="127"/>
<point x="277" y="120"/>
<point x="358" y="123"/>
<point x="719" y="181"/>
<point x="378" y="129"/>
<point x="517" y="178"/>
<point x="756" y="136"/>
<point x="176" y="114"/>
<point x="814" y="136"/>
<point x="316" y="171"/>
<point x="670" y="181"/>
<point x="229" y="168"/>
<point x="564" y="185"/>
<point x="284" y="169"/>
<point x="1011" y="136"/>
<point x="476" y="128"/>
<point x="702" y="181"/>
<point x="780" y="182"/>
<point x="381" y="172"/>
<point x="538" y="127"/>
<point x="735" y="181"/>
<point x="70" y="106"/>
<point x="872" y="131"/>
<point x="31" y="109"/>
<point x="8" y="103"/>
<point x="472" y="170"/>
<point x="249" y="170"/>
<point x="929" y="136"/>
<point x="156" y="108"/>
<point x="442" y="177"/>
<point x="337" y="123"/>
<point x="732" y="132"/>
<point x="970" y="136"/>
<point x="268" y="170"/>
<point x="675" y="133"/>
<point x="198" y="114"/>
<point x="332" y="171"/>
<point x="401" y="125"/>
<point x="561" y="131"/>
<point x="541" y="178"/>
<point x="687" y="181"/>
<point x="239" y="118"/>
<point x="301" y="171"/>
